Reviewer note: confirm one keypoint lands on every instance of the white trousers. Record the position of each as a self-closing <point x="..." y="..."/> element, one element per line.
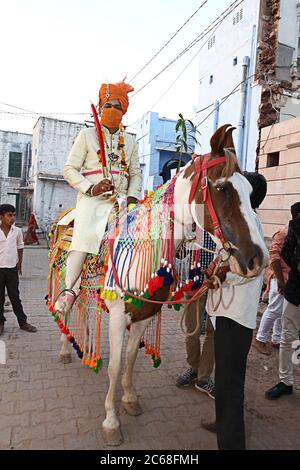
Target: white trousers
<point x="290" y="332"/>
<point x="272" y="316"/>
<point x="75" y="262"/>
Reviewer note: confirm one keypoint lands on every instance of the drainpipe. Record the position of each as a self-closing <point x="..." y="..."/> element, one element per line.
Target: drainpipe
<point x="249" y="98"/>
<point x="241" y="123"/>
<point x="216" y="115"/>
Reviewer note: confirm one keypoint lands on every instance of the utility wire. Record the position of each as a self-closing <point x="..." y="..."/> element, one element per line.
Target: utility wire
<point x="174" y="81"/>
<point x="235" y="89"/>
<point x="168" y="42"/>
<point x="215" y="23"/>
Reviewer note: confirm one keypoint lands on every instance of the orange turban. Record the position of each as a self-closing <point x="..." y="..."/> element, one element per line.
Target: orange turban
<point x="117" y="91"/>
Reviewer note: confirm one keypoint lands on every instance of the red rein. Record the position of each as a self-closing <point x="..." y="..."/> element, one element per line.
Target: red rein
<point x="201" y="173"/>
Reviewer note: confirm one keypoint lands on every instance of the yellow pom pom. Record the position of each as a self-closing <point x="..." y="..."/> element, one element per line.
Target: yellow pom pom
<point x="131" y="206"/>
<point x="102" y="296"/>
<point x="150" y="192"/>
<point x="114" y="296"/>
<point x="84" y="267"/>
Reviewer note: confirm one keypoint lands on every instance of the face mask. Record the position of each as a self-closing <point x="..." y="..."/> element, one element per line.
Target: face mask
<point x="111" y="117"/>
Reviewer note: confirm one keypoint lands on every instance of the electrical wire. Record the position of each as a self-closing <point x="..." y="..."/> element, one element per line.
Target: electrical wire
<point x="168" y="42"/>
<point x="218" y="21"/>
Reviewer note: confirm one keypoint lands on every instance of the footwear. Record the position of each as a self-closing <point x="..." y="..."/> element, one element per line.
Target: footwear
<point x="276" y="345"/>
<point x="261" y="347"/>
<point x="1" y="328"/>
<point x="278" y="390"/>
<point x="187" y="378"/>
<point x="64" y="303"/>
<point x="29" y="328"/>
<point x="206" y="386"/>
<point x="209" y="426"/>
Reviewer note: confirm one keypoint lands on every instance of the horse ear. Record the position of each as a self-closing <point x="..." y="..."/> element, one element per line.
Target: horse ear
<point x="228" y="142"/>
<point x="217" y="140"/>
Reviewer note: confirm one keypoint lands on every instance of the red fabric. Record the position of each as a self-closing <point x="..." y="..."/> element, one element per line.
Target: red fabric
<point x="31" y="236"/>
<point x="201" y="170"/>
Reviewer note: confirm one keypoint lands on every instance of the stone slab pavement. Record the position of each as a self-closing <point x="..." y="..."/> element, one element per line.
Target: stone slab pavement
<point x="48" y="405"/>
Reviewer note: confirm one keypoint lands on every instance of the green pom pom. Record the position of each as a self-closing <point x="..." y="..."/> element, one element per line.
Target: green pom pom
<point x="146" y="295"/>
<point x="55" y="317"/>
<point x="137" y="303"/>
<point x="156" y="362"/>
<point x="101" y="264"/>
<point x="100" y="363"/>
<point x="127" y="297"/>
<point x="177" y="307"/>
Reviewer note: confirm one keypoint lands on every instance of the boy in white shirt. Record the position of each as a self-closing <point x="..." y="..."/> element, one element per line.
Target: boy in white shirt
<point x="11" y="256"/>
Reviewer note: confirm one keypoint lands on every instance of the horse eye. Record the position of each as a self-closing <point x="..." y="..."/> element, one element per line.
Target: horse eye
<point x="221" y="188"/>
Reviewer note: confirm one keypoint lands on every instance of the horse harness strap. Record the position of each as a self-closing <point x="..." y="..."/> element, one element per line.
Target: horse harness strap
<point x="201" y="173"/>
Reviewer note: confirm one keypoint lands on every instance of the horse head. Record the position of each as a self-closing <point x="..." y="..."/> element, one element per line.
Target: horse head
<point x="216" y="196"/>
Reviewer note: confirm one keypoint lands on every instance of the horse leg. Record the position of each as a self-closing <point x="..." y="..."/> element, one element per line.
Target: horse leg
<point x="117" y="325"/>
<point x="129" y="400"/>
<point x="65" y="354"/>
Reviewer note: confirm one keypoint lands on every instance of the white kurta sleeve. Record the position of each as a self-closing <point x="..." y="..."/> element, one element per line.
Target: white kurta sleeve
<point x="135" y="183"/>
<point x="74" y="164"/>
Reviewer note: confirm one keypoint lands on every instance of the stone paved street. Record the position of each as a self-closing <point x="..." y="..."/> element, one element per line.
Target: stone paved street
<point x="48" y="405"/>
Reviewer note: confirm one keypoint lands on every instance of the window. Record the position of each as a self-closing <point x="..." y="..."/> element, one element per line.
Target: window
<point x="235" y="61"/>
<point x="211" y="79"/>
<point x="211" y="42"/>
<point x="273" y="159"/>
<point x="238" y="17"/>
<point x="15" y="165"/>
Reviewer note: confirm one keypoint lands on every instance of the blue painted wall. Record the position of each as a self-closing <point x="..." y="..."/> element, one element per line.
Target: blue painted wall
<point x="156" y="138"/>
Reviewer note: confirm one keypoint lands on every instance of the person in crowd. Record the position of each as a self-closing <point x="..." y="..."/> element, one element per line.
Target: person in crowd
<point x="11" y="257"/>
<point x="278" y="271"/>
<point x="291" y="308"/>
<point x="235" y="320"/>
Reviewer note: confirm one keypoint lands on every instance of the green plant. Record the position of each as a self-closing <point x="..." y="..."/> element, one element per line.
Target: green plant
<point x="185" y="131"/>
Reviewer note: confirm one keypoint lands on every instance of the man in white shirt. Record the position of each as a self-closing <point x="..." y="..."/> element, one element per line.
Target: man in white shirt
<point x="235" y="319"/>
<point x="11" y="256"/>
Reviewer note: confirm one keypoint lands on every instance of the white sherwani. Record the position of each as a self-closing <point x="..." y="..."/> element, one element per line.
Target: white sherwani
<point x="92" y="213"/>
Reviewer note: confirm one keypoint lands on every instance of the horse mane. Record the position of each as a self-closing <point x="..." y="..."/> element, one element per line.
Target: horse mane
<point x="231" y="165"/>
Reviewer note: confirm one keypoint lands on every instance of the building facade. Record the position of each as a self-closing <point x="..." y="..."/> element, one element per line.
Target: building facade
<point x="15" y="161"/>
<point x="156" y="137"/>
<point x="248" y="74"/>
<point x="279" y="162"/>
<point x="51" y="143"/>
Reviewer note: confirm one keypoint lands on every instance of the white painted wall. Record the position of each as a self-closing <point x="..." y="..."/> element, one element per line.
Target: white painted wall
<point x="231" y="41"/>
<point x="51" y="144"/>
<point x="11" y="142"/>
<point x="288" y="27"/>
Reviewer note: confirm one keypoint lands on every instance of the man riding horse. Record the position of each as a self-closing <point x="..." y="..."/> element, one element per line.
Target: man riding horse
<point x="98" y="187"/>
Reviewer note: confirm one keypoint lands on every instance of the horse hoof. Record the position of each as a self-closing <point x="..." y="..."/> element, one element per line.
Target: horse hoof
<point x="65" y="358"/>
<point x="133" y="408"/>
<point x="112" y="437"/>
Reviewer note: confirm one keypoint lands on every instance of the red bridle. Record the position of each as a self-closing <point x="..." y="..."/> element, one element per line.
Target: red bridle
<point x="201" y="174"/>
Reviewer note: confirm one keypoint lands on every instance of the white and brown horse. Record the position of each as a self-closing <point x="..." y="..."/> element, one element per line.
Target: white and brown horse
<point x="228" y="216"/>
